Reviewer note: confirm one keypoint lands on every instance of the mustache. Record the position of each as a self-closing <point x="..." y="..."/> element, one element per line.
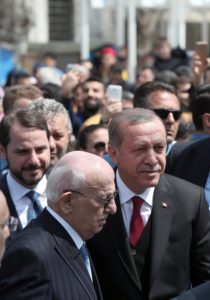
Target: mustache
<point x="147" y="168"/>
<point x="32" y="167"/>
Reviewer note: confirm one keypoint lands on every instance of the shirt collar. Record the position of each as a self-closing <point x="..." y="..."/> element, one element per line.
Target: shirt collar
<point x="18" y="191"/>
<point x="73" y="234"/>
<point x="125" y="194"/>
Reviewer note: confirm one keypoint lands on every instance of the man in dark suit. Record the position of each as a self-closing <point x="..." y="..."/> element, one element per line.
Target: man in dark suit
<point x="172" y="249"/>
<point x="192" y="163"/>
<point x="49" y="259"/>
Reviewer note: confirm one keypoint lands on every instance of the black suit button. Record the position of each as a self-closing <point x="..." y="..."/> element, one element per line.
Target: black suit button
<point x="133" y="252"/>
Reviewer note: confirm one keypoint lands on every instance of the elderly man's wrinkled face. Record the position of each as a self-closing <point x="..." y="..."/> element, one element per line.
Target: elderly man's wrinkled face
<point x="91" y="206"/>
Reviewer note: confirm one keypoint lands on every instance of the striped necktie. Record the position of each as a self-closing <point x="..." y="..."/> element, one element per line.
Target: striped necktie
<point x="85" y="257"/>
<point x="35" y="207"/>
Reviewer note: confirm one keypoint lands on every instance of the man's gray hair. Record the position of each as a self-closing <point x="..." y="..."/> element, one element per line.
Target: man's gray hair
<point x="50" y="108"/>
<point x="129" y="117"/>
<point x="62" y="178"/>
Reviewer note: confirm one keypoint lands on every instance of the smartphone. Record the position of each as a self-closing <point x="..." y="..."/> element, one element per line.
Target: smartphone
<point x="114" y="93"/>
<point x="69" y="67"/>
<point x="202" y="50"/>
<point x="76" y="68"/>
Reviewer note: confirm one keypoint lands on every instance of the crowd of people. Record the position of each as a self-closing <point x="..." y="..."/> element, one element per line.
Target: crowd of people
<point x="101" y="198"/>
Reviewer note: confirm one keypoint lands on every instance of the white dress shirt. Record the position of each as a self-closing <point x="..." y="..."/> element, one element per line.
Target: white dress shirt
<point x="207" y="190"/>
<point x="125" y="195"/>
<point x="72" y="233"/>
<point x="22" y="202"/>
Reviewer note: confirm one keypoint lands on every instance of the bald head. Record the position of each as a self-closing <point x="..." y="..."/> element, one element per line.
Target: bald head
<point x="4" y="230"/>
<point x="77" y="170"/>
<point x="81" y="190"/>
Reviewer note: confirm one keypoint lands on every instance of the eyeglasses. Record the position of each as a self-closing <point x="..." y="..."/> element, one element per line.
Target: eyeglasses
<point x="104" y="202"/>
<point x="12" y="223"/>
<point x="163" y="113"/>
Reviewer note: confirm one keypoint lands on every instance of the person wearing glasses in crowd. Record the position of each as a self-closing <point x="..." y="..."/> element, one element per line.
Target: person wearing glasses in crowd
<point x="158" y="242"/>
<point x="94" y="139"/>
<point x="48" y="259"/>
<point x="7" y="224"/>
<point x="162" y="99"/>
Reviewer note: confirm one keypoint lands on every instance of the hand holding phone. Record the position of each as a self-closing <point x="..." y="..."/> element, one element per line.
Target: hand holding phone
<point x="114" y="93"/>
<point x="202" y="50"/>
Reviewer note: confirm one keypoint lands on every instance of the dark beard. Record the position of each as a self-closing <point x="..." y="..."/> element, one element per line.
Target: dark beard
<point x="92" y="109"/>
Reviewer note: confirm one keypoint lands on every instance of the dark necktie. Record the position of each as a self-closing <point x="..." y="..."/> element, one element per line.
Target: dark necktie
<point x="137" y="224"/>
<point x="35" y="207"/>
<point x="85" y="257"/>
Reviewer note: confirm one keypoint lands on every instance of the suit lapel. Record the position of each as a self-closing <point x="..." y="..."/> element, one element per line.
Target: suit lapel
<point x="117" y="232"/>
<point x="67" y="250"/>
<point x="95" y="281"/>
<point x="73" y="260"/>
<point x="201" y="160"/>
<point x="161" y="225"/>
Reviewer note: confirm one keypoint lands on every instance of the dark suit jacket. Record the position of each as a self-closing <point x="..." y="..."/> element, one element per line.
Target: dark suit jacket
<point x="190" y="161"/>
<point x="201" y="292"/>
<point x="43" y="263"/>
<point x="180" y="246"/>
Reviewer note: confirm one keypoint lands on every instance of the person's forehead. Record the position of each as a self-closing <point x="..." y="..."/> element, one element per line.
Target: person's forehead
<point x="163" y="99"/>
<point x="19" y="135"/>
<point x="155" y="125"/>
<point x="99" y="132"/>
<point x="100" y="182"/>
<point x="94" y="84"/>
<point x="59" y="118"/>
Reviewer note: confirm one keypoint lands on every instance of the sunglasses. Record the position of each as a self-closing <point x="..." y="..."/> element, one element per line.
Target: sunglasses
<point x="99" y="145"/>
<point x="163" y="113"/>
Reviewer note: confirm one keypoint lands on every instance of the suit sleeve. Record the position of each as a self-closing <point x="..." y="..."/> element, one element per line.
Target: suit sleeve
<point x="200" y="248"/>
<point x="23" y="276"/>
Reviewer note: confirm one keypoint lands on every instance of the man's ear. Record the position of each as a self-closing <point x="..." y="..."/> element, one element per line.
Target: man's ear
<point x="113" y="152"/>
<point x="65" y="203"/>
<point x="206" y="121"/>
<point x="3" y="154"/>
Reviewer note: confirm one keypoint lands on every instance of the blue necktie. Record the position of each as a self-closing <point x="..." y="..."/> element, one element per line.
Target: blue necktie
<point x="35" y="207"/>
<point x="85" y="257"/>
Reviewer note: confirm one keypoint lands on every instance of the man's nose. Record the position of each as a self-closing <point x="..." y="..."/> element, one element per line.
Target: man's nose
<point x="111" y="207"/>
<point x="170" y="118"/>
<point x="34" y="159"/>
<point x="52" y="144"/>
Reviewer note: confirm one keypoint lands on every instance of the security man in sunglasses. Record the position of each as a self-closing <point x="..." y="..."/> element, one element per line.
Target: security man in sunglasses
<point x="162" y="99"/>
